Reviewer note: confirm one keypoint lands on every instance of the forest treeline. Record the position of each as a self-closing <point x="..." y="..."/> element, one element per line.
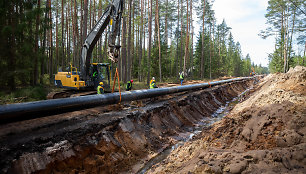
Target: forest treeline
<point x="286" y="19"/>
<point x="39" y="37"/>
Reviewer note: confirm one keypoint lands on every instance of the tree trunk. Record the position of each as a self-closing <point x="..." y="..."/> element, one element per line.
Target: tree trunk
<point x="282" y="35"/>
<point x="140" y="42"/>
<point x="84" y="26"/>
<point x="81" y="28"/>
<point x="100" y="40"/>
<point x="181" y="50"/>
<point x="213" y="44"/>
<point x="187" y="42"/>
<point x="42" y="65"/>
<point x="93" y="24"/>
<point x="144" y="36"/>
<point x="104" y="59"/>
<point x="284" y="41"/>
<point x="94" y="14"/>
<point x="166" y="28"/>
<point x="149" y="44"/>
<point x="166" y="36"/>
<point x="68" y="38"/>
<point x="36" y="45"/>
<point x="132" y="41"/>
<point x="210" y="50"/>
<point x="11" y="49"/>
<point x="292" y="31"/>
<point x="158" y="37"/>
<point x="202" y="65"/>
<point x="90" y="9"/>
<point x="63" y="40"/>
<point x="192" y="31"/>
<point x="124" y="55"/>
<point x="129" y="42"/>
<point x="177" y="43"/>
<point x="30" y="33"/>
<point x="304" y="53"/>
<point x="74" y="32"/>
<point x="50" y="45"/>
<point x="42" y="55"/>
<point x="56" y="36"/>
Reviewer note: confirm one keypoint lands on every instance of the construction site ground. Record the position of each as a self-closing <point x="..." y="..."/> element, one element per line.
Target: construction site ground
<point x="263" y="134"/>
<point x="202" y="131"/>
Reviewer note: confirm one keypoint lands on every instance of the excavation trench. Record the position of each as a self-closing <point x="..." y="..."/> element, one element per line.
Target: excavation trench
<point x="114" y="142"/>
<point x="193" y="132"/>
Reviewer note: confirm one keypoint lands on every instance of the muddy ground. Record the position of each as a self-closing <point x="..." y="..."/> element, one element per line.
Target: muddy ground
<point x="263" y="134"/>
<point x="111" y="139"/>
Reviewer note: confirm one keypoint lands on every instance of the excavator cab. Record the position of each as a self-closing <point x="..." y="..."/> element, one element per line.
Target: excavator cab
<point x="99" y="72"/>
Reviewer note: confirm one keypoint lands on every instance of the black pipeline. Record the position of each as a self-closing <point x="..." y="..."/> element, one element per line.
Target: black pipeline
<point x="22" y="111"/>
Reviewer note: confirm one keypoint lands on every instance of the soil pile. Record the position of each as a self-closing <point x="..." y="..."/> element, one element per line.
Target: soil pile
<point x="263" y="134"/>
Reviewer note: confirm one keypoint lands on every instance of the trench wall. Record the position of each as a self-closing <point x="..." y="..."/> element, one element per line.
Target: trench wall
<point x="139" y="135"/>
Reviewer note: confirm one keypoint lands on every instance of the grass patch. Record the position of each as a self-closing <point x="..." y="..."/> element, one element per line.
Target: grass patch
<point x="23" y="95"/>
<point x="139" y="85"/>
<point x="136" y="85"/>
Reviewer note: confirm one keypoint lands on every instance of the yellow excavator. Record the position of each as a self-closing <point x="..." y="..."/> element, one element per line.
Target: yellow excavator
<point x="99" y="72"/>
<point x="253" y="72"/>
<point x="90" y="74"/>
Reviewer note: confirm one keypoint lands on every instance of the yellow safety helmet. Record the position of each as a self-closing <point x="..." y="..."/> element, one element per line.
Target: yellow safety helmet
<point x="101" y="83"/>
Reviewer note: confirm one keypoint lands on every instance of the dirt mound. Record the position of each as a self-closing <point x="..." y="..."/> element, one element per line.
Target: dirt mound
<point x="264" y="134"/>
<point x="277" y="88"/>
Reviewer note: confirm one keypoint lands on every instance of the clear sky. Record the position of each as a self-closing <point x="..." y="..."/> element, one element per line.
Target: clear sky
<point x="247" y="18"/>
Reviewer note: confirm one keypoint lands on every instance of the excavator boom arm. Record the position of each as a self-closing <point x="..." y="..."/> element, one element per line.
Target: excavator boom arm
<point x="112" y="13"/>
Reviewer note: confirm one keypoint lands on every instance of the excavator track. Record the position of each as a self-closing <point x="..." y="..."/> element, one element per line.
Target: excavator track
<point x="69" y="93"/>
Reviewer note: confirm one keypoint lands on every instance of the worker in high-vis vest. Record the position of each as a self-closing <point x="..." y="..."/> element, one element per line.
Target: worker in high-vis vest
<point x="152" y="83"/>
<point x="129" y="85"/>
<point x="182" y="77"/>
<point x="100" y="89"/>
<point x="94" y="75"/>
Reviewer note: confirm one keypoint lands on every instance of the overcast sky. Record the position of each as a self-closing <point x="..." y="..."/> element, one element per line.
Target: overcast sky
<point x="246" y="18"/>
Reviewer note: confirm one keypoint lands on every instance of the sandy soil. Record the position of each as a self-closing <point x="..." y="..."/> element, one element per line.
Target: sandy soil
<point x="263" y="134"/>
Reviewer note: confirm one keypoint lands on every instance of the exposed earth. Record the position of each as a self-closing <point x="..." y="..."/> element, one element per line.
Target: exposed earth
<point x="263" y="134"/>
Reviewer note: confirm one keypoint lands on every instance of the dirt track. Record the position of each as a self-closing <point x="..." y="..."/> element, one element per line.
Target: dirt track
<point x="110" y="139"/>
<point x="264" y="134"/>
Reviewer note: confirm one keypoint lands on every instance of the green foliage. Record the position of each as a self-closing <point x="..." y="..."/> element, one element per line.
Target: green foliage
<point x="261" y="70"/>
<point x="46" y="80"/>
<point x="19" y="48"/>
<point x="298" y="60"/>
<point x="275" y="61"/>
<point x="17" y="33"/>
<point x="226" y="60"/>
<point x="285" y="19"/>
<point x="24" y="94"/>
<point x="139" y="85"/>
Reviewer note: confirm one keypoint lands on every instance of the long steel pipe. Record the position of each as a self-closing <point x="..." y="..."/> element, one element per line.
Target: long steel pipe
<point x="21" y="111"/>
